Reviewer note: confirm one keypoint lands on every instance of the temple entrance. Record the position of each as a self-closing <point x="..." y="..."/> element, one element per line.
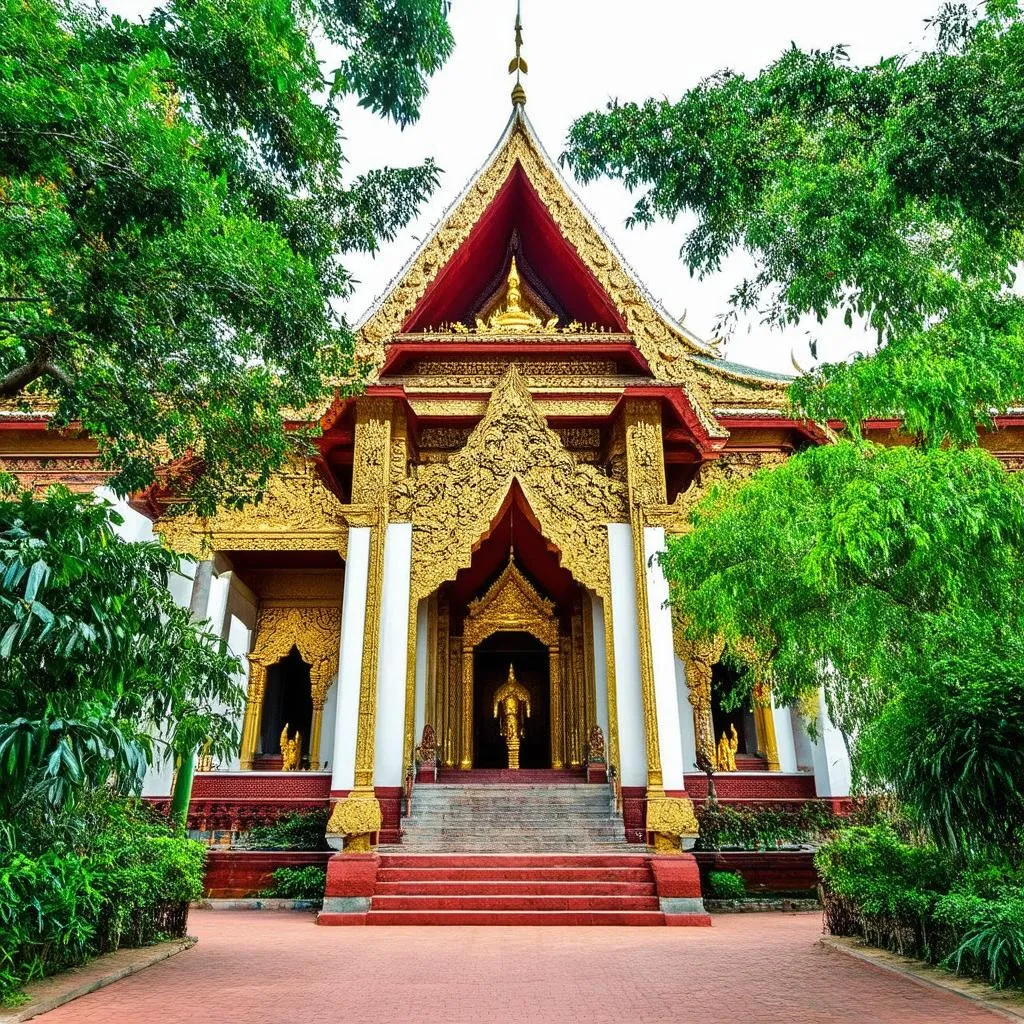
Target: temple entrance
<point x="529" y="660"/>
<point x="288" y="701"/>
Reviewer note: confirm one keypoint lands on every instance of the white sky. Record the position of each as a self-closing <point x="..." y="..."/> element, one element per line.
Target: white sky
<point x="581" y="53"/>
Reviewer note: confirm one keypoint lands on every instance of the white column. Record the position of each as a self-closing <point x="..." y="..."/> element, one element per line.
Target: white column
<point x="784" y="739"/>
<point x="685" y="709"/>
<point x="600" y="665"/>
<point x="666" y="693"/>
<point x="239" y="643"/>
<point x="388" y="769"/>
<point x="350" y="662"/>
<point x="831" y="762"/>
<point x="629" y="697"/>
<point x="801" y="742"/>
<point x="420" y="718"/>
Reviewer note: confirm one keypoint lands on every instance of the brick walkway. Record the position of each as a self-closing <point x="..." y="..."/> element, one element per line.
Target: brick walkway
<point x="265" y="968"/>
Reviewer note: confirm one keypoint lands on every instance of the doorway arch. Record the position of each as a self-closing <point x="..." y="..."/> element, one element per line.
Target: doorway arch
<point x="510" y="605"/>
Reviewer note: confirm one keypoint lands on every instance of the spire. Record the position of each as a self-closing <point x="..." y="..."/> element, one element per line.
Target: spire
<point x="517" y="64"/>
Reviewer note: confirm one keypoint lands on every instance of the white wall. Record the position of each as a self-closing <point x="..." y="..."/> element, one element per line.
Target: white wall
<point x="353" y="618"/>
<point x="629" y="698"/>
<point x="600" y="666"/>
<point x="784" y="738"/>
<point x="666" y="693"/>
<point x="831" y="762"/>
<point x="393" y="655"/>
<point x="801" y="742"/>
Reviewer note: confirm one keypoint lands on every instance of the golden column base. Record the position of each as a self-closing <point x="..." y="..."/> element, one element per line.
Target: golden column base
<point x="356" y="820"/>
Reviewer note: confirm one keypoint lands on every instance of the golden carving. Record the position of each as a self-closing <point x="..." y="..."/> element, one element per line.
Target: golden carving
<point x="512" y="703"/>
<point x="646" y="480"/>
<point x="514" y="319"/>
<point x="316" y="633"/>
<point x="595" y="746"/>
<point x="291" y="750"/>
<point x="569" y="407"/>
<point x="727" y="747"/>
<point x="357" y="818"/>
<point x="510" y="604"/>
<point x="698" y="659"/>
<point x="297" y="512"/>
<point x="452" y="505"/>
<point x="671" y="819"/>
<point x="662" y="343"/>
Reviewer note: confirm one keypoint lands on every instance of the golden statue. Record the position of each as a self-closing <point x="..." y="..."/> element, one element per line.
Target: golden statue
<point x="512" y="703"/>
<point x="513" y="318"/>
<point x="727" y="750"/>
<point x="291" y="750"/>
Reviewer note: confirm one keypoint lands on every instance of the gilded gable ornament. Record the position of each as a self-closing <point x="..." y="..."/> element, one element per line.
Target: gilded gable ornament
<point x="452" y="505"/>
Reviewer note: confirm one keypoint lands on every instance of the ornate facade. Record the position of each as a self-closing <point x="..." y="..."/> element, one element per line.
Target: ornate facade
<point x="532" y="428"/>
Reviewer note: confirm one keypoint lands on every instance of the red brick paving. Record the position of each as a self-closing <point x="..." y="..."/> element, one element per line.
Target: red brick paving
<point x="266" y="968"/>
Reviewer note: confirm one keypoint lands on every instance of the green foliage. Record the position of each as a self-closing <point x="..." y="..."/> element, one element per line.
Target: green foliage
<point x="762" y="828"/>
<point x="893" y="578"/>
<point x="892" y="194"/>
<point x="173" y="211"/>
<point x="291" y="832"/>
<point x="726" y="885"/>
<point x="95" y="656"/>
<point x="917" y="900"/>
<point x="73" y="886"/>
<point x="297" y="883"/>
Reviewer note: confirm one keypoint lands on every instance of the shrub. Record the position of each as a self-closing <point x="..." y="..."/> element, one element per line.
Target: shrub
<point x="917" y="900"/>
<point x="762" y="828"/>
<point x="108" y="876"/>
<point x="726" y="885"/>
<point x="306" y="831"/>
<point x="297" y="883"/>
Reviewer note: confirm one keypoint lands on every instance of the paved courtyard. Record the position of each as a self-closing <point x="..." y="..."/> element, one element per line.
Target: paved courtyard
<point x="274" y="967"/>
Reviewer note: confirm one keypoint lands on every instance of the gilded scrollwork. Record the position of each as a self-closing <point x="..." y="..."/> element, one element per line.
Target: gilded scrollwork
<point x="510" y="604"/>
<point x="453" y="504"/>
<point x="297" y="512"/>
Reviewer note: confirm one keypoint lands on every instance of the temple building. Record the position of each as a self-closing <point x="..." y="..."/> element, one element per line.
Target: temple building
<point x="463" y="584"/>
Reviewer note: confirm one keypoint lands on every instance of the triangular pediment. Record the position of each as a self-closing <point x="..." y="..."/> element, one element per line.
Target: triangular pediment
<point x="563" y="244"/>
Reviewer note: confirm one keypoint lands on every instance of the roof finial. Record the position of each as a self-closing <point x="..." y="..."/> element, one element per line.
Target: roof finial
<point x="517" y="64"/>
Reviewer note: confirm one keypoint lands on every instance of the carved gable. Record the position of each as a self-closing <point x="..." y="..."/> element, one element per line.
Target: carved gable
<point x="452" y="504"/>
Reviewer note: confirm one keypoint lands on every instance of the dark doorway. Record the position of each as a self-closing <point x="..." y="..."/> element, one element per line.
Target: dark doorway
<point x="288" y="700"/>
<point x="723" y="680"/>
<point x="529" y="657"/>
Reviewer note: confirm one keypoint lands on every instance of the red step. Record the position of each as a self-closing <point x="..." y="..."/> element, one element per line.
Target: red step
<point x="460" y="874"/>
<point x="548" y="888"/>
<point x="633" y="918"/>
<point x="532" y="902"/>
<point x="541" y="889"/>
<point x="513" y="860"/>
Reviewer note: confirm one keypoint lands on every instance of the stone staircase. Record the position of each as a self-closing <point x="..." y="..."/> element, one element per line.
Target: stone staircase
<point x="537" y="889"/>
<point x="512" y="818"/>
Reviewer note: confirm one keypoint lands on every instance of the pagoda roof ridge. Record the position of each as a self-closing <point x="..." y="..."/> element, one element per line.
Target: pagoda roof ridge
<point x="390" y="310"/>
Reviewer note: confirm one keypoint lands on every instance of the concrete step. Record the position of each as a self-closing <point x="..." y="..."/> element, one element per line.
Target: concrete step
<point x="455" y="873"/>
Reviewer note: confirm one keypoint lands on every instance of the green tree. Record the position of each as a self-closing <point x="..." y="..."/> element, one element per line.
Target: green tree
<point x="893" y="578"/>
<point x="174" y="209"/>
<point x="101" y="673"/>
<point x="891" y="194"/>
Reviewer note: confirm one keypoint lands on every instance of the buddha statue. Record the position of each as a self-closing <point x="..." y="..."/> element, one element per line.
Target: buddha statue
<point x="512" y="708"/>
